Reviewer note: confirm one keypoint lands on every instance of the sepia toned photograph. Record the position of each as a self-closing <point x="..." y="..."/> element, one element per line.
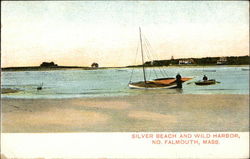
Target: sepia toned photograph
<point x="123" y="67"/>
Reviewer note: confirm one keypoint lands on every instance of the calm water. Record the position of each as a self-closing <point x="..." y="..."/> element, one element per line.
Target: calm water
<point x="114" y="82"/>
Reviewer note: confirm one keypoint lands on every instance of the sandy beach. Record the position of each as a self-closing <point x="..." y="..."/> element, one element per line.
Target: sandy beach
<point x="127" y="114"/>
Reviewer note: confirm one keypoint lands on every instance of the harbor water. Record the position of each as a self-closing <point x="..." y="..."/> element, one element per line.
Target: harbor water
<point x="114" y="82"/>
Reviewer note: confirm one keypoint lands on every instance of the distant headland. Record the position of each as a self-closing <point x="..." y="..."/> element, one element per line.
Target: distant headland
<point x="206" y="61"/>
<point x="45" y="66"/>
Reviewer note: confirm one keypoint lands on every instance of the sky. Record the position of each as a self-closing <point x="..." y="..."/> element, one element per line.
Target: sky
<point x="78" y="33"/>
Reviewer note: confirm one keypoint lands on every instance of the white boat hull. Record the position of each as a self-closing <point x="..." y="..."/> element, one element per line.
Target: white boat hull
<point x="142" y="87"/>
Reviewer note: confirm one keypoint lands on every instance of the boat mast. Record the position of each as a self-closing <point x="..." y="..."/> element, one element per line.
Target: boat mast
<point x="142" y="58"/>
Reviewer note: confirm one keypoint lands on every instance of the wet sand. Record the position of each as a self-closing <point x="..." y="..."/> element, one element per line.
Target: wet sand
<point x="9" y="90"/>
<point x="200" y="113"/>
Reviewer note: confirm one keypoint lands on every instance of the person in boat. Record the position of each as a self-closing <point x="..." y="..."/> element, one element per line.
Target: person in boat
<point x="205" y="78"/>
<point x="178" y="81"/>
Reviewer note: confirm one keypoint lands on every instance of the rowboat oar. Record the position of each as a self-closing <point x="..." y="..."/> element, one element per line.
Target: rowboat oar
<point x="191" y="82"/>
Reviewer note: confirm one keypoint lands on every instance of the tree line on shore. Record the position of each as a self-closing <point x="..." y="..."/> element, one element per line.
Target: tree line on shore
<point x="230" y="60"/>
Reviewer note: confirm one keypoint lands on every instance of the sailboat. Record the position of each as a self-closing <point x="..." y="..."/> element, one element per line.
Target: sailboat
<point x="159" y="83"/>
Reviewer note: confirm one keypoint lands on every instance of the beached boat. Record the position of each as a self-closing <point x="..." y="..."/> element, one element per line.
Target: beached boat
<point x="245" y="69"/>
<point x="158" y="83"/>
<point x="209" y="70"/>
<point x="206" y="82"/>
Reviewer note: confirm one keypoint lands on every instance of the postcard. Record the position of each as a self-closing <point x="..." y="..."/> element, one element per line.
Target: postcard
<point x="125" y="79"/>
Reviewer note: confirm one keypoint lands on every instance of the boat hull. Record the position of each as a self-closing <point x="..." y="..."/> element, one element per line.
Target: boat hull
<point x="142" y="85"/>
<point x="163" y="83"/>
<point x="208" y="82"/>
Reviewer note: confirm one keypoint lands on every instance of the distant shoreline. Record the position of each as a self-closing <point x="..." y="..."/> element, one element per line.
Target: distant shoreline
<point x="38" y="68"/>
<point x="180" y="62"/>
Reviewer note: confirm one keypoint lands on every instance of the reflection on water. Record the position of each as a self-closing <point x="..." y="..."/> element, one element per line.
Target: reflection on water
<point x="114" y="82"/>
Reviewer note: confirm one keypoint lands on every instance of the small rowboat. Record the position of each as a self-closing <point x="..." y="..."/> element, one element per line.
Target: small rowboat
<point x="206" y="82"/>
